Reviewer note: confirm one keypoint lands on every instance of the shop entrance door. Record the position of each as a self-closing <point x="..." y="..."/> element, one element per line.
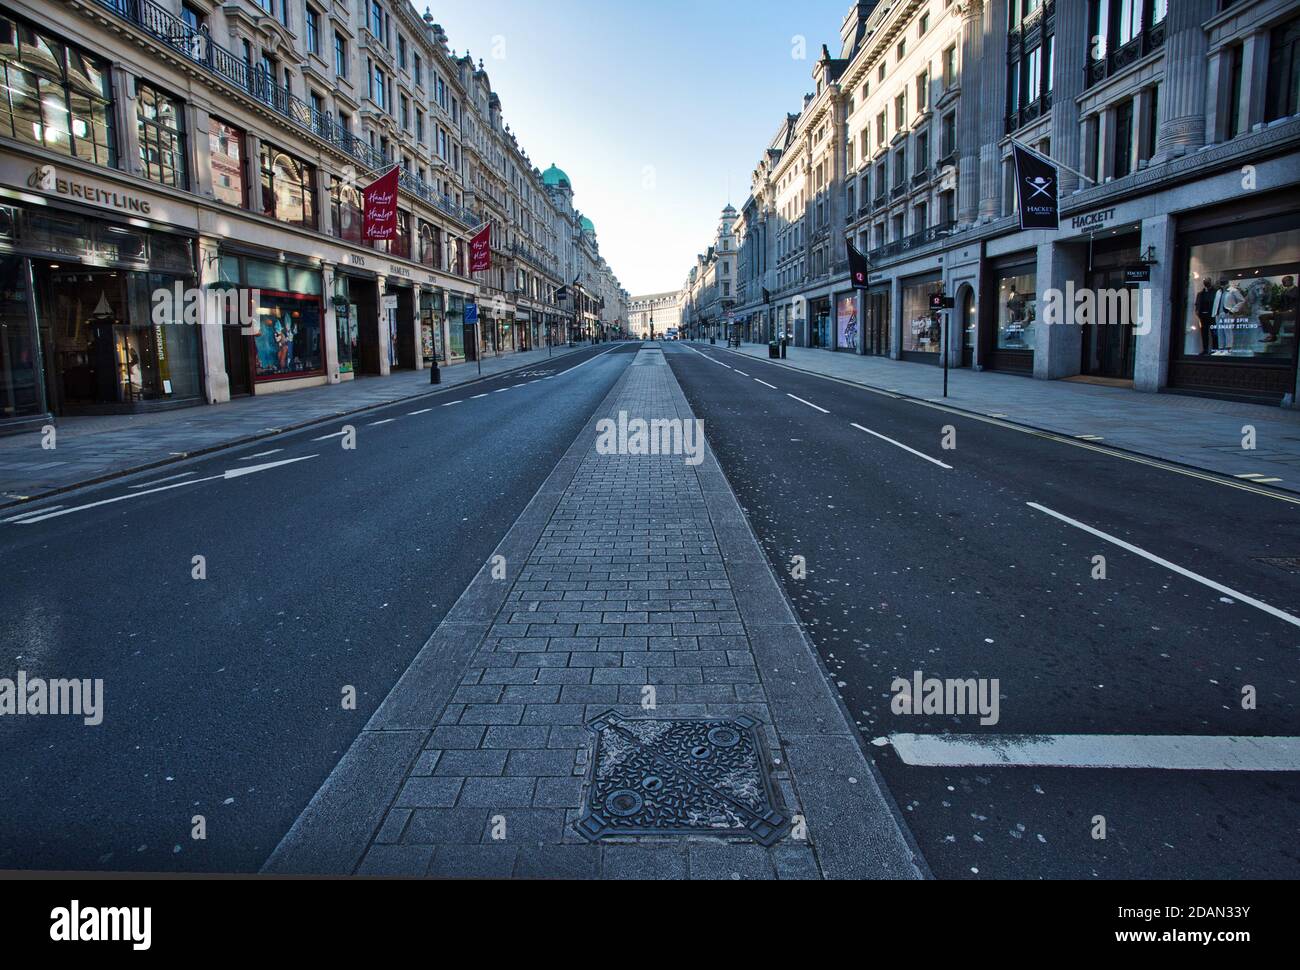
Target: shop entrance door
<point x="969" y="323"/>
<point x="91" y="360"/>
<point x="239" y="366"/>
<point x="1107" y="341"/>
<point x="877" y="330"/>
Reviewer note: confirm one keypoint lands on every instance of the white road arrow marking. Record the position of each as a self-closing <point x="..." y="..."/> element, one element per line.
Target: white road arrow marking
<point x="1170" y="753"/>
<point x="232" y="473"/>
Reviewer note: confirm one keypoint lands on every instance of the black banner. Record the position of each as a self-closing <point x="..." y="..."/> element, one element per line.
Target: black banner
<point x="859" y="268"/>
<point x="1036" y="183"/>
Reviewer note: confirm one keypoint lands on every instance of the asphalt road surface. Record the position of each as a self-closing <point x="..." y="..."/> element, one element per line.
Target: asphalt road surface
<point x="223" y="697"/>
<point x="950" y="571"/>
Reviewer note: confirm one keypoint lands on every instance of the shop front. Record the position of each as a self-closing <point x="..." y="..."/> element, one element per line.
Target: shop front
<point x="288" y="349"/>
<point x="921" y="329"/>
<point x="879" y="325"/>
<point x="523" y="329"/>
<point x="1010" y="319"/>
<point x="96" y="316"/>
<point x="1109" y="345"/>
<point x="819" y="323"/>
<point x="1235" y="308"/>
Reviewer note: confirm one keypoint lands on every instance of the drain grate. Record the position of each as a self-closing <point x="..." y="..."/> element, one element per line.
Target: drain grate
<point x="1290" y="564"/>
<point x="685" y="776"/>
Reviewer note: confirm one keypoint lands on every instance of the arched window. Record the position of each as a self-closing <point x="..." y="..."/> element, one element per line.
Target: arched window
<point x="288" y="189"/>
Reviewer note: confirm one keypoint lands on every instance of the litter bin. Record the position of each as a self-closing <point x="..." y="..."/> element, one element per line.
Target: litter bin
<point x="773" y="349"/>
<point x="713" y="340"/>
<point x="784" y="344"/>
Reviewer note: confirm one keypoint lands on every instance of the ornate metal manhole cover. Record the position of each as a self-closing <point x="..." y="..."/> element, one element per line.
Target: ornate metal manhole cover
<point x="686" y="776"/>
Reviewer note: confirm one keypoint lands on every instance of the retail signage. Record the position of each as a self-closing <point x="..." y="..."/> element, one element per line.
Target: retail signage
<point x="379" y="216"/>
<point x="47" y="179"/>
<point x="1093" y="220"/>
<point x="859" y="270"/>
<point x="1036" y="183"/>
<point x="940" y="302"/>
<point x="471" y="313"/>
<point x="480" y="251"/>
<point x="390" y="302"/>
<point x="1137" y="274"/>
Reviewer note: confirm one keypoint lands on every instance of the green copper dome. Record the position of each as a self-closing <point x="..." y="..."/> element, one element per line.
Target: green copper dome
<point x="556" y="176"/>
<point x="588" y="225"/>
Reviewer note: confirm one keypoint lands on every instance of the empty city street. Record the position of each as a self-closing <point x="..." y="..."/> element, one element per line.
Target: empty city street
<point x="977" y="562"/>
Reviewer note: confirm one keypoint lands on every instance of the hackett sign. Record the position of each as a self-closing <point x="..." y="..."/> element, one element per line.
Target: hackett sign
<point x="1092" y="220"/>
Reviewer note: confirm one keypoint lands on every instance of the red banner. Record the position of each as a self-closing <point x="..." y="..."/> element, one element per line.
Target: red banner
<point x="379" y="219"/>
<point x="480" y="251"/>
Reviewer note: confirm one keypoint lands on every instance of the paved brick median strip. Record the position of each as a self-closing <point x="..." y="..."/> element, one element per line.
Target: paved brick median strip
<point x="624" y="573"/>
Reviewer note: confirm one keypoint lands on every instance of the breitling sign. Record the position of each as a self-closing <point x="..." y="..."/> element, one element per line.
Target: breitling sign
<point x="47" y="179"/>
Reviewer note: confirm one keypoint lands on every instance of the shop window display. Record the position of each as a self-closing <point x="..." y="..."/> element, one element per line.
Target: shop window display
<point x="920" y="327"/>
<point x="1017" y="312"/>
<point x="1241" y="299"/>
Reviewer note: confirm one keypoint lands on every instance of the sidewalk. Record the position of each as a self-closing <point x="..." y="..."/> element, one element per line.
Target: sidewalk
<point x="635" y="699"/>
<point x="1200" y="432"/>
<point x="91" y="449"/>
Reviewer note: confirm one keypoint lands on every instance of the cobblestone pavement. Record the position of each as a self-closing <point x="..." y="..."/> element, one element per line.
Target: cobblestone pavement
<point x="1197" y="431"/>
<point x="93" y="448"/>
<point x="625" y="573"/>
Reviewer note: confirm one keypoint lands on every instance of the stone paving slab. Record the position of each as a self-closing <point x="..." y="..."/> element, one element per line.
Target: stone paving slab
<point x="1200" y="432"/>
<point x="625" y="573"/>
<point x="91" y="449"/>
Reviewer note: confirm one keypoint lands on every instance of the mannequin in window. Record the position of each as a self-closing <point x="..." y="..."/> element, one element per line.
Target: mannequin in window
<point x="1205" y="314"/>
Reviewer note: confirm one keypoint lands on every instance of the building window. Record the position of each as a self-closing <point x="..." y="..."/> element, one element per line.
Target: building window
<point x="949" y="67"/>
<point x="288" y="188"/>
<point x="226" y="151"/>
<point x="340" y="56"/>
<point x="54" y="95"/>
<point x="160" y="123"/>
<point x="1123" y="157"/>
<point x="1235" y="56"/>
<point x="923" y="91"/>
<point x="376" y="19"/>
<point x="1283" y="99"/>
<point x="313" y="31"/>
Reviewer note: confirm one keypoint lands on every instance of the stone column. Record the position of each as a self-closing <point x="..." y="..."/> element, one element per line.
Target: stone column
<point x="384" y="367"/>
<point x="969" y="109"/>
<point x="330" y="323"/>
<point x="124" y="113"/>
<point x="1182" y="99"/>
<point x="992" y="94"/>
<point x="1154" y="337"/>
<point x="1218" y="93"/>
<point x="1058" y="345"/>
<point x="200" y="155"/>
<point x="1106" y="145"/>
<point x="1069" y="49"/>
<point x="1254" y="79"/>
<point x="253" y="171"/>
<point x="896" y="318"/>
<point x="418" y="348"/>
<point x="1142" y="125"/>
<point x="212" y="347"/>
<point x="324" y="211"/>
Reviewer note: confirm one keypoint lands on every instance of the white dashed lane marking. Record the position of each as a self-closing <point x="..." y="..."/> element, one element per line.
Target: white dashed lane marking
<point x="809" y="403"/>
<point x="899" y="444"/>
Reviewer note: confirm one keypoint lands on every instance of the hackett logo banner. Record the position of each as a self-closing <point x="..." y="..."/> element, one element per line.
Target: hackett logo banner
<point x="379" y="212"/>
<point x="859" y="268"/>
<point x="1036" y="181"/>
<point x="480" y="251"/>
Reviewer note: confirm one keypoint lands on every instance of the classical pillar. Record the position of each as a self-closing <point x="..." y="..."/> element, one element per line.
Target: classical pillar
<point x="199" y="154"/>
<point x="253" y="172"/>
<point x="124" y="112"/>
<point x="1182" y="99"/>
<point x="384" y="342"/>
<point x="1254" y="79"/>
<point x="1155" y="326"/>
<point x="968" y="113"/>
<point x="1069" y="49"/>
<point x="330" y="324"/>
<point x="212" y="347"/>
<point x="1058" y="344"/>
<point x="992" y="94"/>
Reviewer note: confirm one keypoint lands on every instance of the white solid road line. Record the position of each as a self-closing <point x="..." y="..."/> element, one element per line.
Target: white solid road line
<point x="1173" y="567"/>
<point x="159" y="481"/>
<point x="899" y="444"/>
<point x="29" y="514"/>
<point x="232" y="473"/>
<point x="1170" y="753"/>
<point x="766" y="384"/>
<point x="809" y="403"/>
<point x="265" y="454"/>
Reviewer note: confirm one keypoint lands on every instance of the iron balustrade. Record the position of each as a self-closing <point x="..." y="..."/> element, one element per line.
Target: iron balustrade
<point x="197" y="45"/>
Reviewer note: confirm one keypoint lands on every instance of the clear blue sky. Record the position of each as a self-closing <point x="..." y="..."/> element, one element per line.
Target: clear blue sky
<point x="657" y="110"/>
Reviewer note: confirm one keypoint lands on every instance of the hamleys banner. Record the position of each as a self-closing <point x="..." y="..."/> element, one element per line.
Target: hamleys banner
<point x="379" y="200"/>
<point x="480" y="251"/>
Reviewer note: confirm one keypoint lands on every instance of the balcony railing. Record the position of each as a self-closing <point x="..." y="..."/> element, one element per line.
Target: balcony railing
<point x="926" y="235"/>
<point x="1030" y="112"/>
<point x="199" y="47"/>
<point x="1147" y="41"/>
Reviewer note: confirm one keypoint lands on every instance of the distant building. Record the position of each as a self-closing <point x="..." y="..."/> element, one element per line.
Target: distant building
<point x="653" y="315"/>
